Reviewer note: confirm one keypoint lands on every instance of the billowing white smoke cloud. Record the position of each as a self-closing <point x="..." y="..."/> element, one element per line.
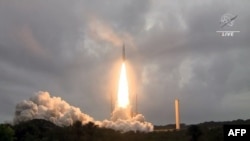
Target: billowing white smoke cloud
<point x="58" y="111"/>
<point x="54" y="109"/>
<point x="121" y="120"/>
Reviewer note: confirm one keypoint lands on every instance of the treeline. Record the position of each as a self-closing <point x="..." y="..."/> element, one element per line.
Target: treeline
<point x="41" y="130"/>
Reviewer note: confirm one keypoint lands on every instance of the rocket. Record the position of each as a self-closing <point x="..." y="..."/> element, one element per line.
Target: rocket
<point x="123" y="52"/>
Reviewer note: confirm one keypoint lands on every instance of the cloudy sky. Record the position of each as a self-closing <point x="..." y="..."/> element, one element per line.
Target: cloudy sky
<point x="72" y="49"/>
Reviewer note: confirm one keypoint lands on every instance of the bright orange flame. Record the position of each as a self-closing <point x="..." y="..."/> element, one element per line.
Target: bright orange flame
<point x="123" y="97"/>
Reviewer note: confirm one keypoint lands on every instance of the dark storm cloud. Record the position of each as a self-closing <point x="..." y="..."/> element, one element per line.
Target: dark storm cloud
<point x="45" y="45"/>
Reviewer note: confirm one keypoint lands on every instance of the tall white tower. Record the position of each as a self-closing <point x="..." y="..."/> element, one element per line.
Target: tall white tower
<point x="177" y="114"/>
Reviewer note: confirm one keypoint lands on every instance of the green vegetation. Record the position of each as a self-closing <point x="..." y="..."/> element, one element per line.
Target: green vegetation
<point x="6" y="133"/>
<point x="41" y="130"/>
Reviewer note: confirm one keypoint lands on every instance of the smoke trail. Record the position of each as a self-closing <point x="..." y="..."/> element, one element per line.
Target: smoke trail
<point x="58" y="111"/>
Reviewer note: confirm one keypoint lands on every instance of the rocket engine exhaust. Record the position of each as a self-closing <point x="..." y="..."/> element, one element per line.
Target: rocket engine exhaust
<point x="54" y="109"/>
<point x="58" y="111"/>
<point x="122" y="114"/>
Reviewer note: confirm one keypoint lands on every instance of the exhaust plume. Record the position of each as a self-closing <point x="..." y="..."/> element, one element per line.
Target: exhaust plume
<point x="122" y="120"/>
<point x="123" y="96"/>
<point x="54" y="109"/>
<point x="136" y="123"/>
<point x="59" y="112"/>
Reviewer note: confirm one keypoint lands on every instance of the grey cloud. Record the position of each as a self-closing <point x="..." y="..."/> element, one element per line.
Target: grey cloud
<point x="44" y="45"/>
<point x="200" y="42"/>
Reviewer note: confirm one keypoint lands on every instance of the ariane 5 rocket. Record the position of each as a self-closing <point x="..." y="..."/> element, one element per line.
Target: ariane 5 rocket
<point x="123" y="52"/>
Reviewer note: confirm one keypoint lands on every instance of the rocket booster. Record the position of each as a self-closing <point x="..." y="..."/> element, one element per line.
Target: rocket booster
<point x="123" y="52"/>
